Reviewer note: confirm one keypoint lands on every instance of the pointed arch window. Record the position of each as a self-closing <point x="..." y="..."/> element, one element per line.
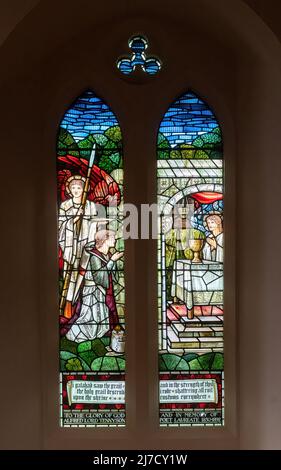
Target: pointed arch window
<point x="190" y="265"/>
<point x="91" y="276"/>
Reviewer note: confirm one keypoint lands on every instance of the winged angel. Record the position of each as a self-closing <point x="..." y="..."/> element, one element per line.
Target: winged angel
<point x="83" y="189"/>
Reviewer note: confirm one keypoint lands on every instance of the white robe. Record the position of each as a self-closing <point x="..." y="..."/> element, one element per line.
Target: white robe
<point x="72" y="243"/>
<point x="93" y="321"/>
<point x="217" y="253"/>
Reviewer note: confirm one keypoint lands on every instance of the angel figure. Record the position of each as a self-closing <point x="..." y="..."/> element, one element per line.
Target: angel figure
<point x="213" y="248"/>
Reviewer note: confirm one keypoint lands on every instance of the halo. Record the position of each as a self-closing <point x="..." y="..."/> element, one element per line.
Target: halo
<point x="72" y="178"/>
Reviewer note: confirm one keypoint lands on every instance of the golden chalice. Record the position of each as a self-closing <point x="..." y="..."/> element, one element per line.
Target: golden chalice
<point x="196" y="247"/>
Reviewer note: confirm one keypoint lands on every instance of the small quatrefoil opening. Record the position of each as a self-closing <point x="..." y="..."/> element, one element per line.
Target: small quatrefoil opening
<point x="150" y="65"/>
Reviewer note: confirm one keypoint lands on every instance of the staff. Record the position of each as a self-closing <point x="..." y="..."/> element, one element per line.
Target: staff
<point x="69" y="269"/>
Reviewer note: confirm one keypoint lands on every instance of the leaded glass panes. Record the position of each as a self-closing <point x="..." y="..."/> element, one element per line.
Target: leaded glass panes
<point x="190" y="265"/>
<point x="91" y="276"/>
<point x="139" y="58"/>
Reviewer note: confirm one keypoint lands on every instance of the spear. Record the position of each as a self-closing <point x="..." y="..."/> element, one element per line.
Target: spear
<point x="86" y="188"/>
<point x="69" y="269"/>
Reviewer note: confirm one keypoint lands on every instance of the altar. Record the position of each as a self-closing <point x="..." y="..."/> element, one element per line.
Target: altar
<point x="197" y="283"/>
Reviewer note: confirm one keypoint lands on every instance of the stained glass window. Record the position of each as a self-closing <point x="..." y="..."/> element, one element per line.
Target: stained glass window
<point x="91" y="277"/>
<point x="138" y="59"/>
<point x="190" y="265"/>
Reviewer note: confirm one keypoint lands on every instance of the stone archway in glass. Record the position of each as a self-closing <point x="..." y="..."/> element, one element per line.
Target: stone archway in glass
<point x="91" y="277"/>
<point x="190" y="265"/>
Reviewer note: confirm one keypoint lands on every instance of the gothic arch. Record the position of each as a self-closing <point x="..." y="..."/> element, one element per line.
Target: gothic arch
<point x="38" y="78"/>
